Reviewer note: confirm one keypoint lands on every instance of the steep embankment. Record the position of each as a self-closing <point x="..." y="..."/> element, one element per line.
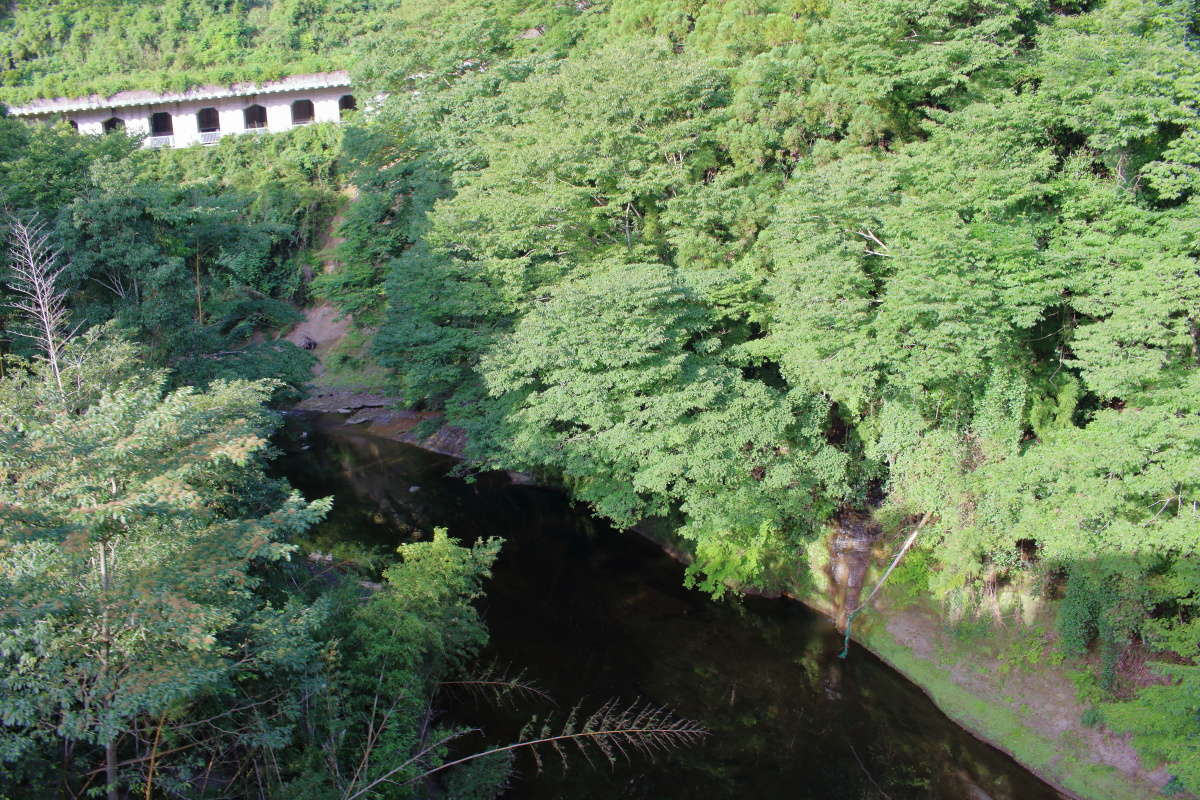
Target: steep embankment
<point x="358" y="393"/>
<point x="756" y="276"/>
<point x="1032" y="714"/>
<point x="324" y="327"/>
<point x="340" y="343"/>
<point x="1002" y="685"/>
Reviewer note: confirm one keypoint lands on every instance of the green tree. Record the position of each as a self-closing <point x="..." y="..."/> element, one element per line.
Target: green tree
<point x="189" y="271"/>
<point x="617" y="383"/>
<point x="132" y="520"/>
<point x="375" y="712"/>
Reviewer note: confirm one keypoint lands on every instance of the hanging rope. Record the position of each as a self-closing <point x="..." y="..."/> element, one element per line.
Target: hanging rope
<point x="912" y="537"/>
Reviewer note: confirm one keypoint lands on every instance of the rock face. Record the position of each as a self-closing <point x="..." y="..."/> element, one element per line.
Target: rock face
<point x="850" y="545"/>
<point x="378" y="415"/>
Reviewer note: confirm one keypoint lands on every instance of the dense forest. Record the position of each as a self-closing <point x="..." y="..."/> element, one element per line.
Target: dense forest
<point x="734" y="265"/>
<point x="65" y="48"/>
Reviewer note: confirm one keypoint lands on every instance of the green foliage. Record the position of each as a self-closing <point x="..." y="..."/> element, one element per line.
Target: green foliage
<point x="289" y="179"/>
<point x="66" y="48"/>
<point x="45" y="168"/>
<point x="737" y="263"/>
<point x="428" y="603"/>
<point x="1079" y="612"/>
<point x="1163" y="722"/>
<point x="910" y="581"/>
<point x="132" y="522"/>
<point x="419" y="629"/>
<point x="149" y="554"/>
<point x="728" y="263"/>
<point x="188" y="270"/>
<point x="196" y="252"/>
<point x="1054" y="408"/>
<point x="616" y="383"/>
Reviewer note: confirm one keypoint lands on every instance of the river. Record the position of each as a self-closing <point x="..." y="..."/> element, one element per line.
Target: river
<point x="590" y="613"/>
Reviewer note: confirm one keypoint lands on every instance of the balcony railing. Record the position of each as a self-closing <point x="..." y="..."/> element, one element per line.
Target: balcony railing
<point x="210" y="137"/>
<point x="160" y="141"/>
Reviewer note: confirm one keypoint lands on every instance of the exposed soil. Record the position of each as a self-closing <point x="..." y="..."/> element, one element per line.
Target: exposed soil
<point x="324" y="326"/>
<point x="1134" y="670"/>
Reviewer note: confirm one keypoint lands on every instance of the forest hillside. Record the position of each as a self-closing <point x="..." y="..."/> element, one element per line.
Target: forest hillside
<point x="738" y="265"/>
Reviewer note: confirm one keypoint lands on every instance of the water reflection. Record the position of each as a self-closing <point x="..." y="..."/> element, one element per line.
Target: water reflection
<point x="590" y="614"/>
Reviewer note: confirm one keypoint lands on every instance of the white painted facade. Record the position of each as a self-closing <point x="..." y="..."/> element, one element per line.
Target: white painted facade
<point x="279" y="105"/>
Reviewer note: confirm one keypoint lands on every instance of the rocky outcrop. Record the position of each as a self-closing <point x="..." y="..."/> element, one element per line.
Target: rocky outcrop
<point x="380" y="416"/>
<point x="850" y="546"/>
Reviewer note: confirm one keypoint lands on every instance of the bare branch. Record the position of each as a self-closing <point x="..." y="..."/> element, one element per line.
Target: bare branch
<point x="35" y="268"/>
<point x="880" y="249"/>
<point x="113" y="282"/>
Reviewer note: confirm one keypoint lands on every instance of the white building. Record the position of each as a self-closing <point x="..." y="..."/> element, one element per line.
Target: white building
<point x="206" y="113"/>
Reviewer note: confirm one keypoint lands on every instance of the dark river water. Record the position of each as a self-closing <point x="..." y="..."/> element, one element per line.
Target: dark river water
<point x="591" y="614"/>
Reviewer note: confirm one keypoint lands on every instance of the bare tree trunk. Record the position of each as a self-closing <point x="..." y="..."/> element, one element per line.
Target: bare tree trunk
<point x="110" y="768"/>
<point x="110" y="747"/>
<point x="154" y="755"/>
<point x="199" y="288"/>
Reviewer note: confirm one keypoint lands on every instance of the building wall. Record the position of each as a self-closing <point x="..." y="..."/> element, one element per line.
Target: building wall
<point x="326" y="107"/>
<point x="229" y="110"/>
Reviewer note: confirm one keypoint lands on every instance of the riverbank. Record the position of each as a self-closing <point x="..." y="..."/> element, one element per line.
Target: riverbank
<point x="998" y="685"/>
<point x="997" y="682"/>
<point x="993" y="683"/>
<point x="378" y="415"/>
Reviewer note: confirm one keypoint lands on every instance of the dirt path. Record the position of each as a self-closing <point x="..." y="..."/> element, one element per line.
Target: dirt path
<point x="324" y="327"/>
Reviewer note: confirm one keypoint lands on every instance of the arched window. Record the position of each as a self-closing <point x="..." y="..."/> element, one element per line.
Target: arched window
<point x="255" y="116"/>
<point x="302" y="112"/>
<point x="114" y="124"/>
<point x="346" y="104"/>
<point x="161" y="124"/>
<point x="208" y="120"/>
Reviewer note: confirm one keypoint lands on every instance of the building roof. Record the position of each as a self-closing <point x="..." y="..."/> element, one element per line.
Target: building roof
<point x="141" y="97"/>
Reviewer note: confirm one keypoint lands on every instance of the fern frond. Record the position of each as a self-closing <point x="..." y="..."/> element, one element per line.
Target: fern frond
<point x="614" y="730"/>
<point x="494" y="683"/>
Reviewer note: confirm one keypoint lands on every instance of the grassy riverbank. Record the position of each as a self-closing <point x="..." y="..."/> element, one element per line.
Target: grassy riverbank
<point x="1024" y="725"/>
<point x="1001" y="682"/>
